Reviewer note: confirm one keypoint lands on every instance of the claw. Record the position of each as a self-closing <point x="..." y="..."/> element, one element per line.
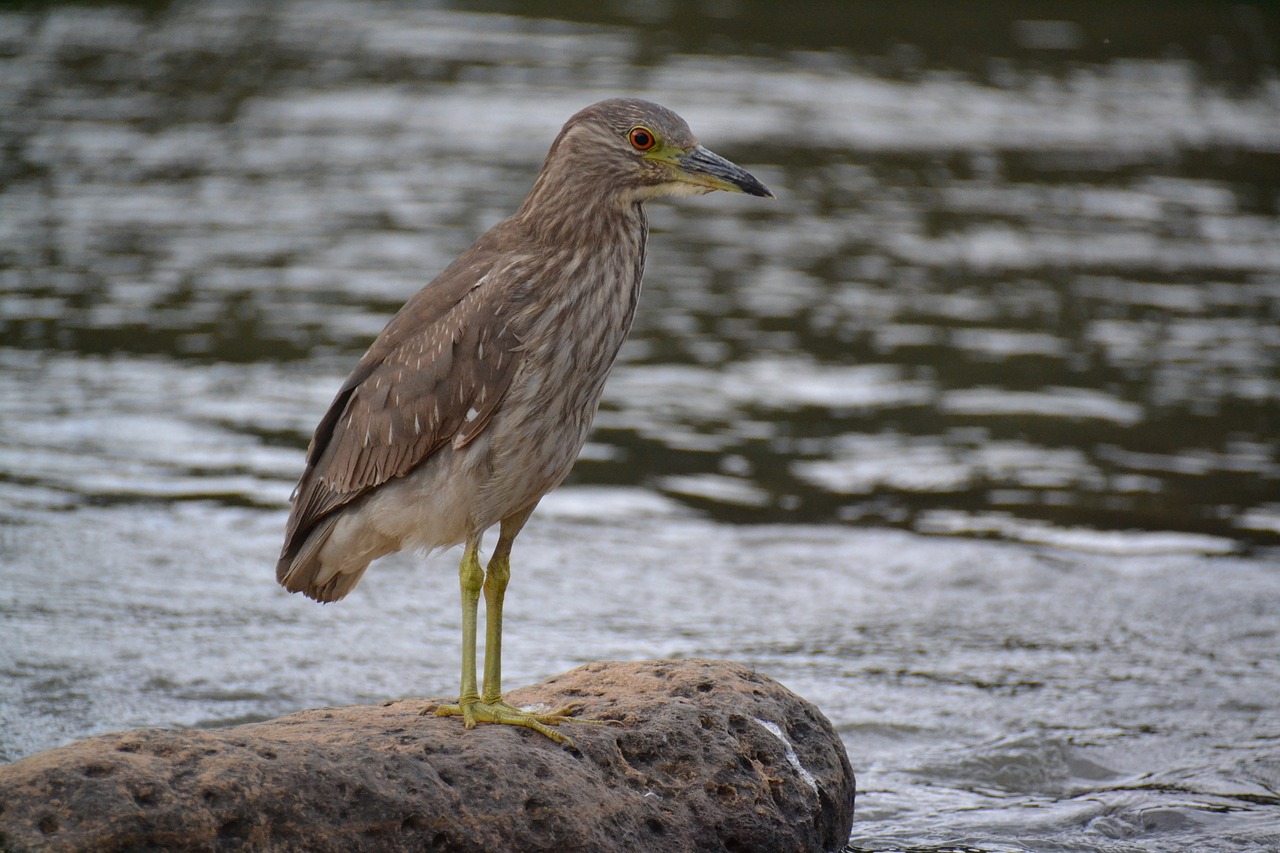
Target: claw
<point x="475" y="711"/>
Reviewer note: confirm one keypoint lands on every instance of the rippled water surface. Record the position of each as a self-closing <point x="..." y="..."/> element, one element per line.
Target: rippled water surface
<point x="970" y="437"/>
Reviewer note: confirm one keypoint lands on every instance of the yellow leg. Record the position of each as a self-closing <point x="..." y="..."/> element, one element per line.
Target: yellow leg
<point x="495" y="590"/>
<point x="470" y="580"/>
<point x="488" y="707"/>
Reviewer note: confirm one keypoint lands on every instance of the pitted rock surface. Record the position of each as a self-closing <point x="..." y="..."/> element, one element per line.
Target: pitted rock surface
<point x="708" y="756"/>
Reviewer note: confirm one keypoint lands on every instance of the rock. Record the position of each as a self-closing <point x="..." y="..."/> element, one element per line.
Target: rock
<point x="709" y="756"/>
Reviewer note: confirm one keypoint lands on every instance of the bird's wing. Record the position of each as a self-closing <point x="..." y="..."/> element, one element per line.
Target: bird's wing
<point x="435" y="374"/>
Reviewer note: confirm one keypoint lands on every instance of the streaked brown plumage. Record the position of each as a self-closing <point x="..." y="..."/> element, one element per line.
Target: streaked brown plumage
<point x="478" y="395"/>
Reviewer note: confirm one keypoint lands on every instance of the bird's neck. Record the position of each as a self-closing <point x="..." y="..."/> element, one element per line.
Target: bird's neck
<point x="590" y="240"/>
<point x="579" y="210"/>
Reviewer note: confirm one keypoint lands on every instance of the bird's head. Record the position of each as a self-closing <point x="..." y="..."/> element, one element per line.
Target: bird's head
<point x="636" y="150"/>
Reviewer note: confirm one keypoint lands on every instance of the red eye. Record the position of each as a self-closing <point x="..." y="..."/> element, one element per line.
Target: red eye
<point x="642" y="138"/>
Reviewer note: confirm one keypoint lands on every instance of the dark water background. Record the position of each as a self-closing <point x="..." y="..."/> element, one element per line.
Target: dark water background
<point x="971" y="437"/>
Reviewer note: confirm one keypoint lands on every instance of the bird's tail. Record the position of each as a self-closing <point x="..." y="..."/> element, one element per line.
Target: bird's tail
<point x="301" y="570"/>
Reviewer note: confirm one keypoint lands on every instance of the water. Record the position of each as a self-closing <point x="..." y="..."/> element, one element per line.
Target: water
<point x="970" y="437"/>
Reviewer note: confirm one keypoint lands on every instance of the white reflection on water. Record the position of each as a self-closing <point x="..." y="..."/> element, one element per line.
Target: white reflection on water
<point x="861" y="464"/>
<point x="143" y="430"/>
<point x="1081" y="539"/>
<point x="1065" y="403"/>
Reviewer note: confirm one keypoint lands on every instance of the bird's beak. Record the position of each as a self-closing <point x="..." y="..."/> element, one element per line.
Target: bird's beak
<point x="704" y="168"/>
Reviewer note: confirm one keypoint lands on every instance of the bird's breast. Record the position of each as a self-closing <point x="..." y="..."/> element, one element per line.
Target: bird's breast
<point x="575" y="321"/>
<point x="576" y="335"/>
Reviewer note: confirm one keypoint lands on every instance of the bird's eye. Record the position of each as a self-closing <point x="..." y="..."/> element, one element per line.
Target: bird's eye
<point x="641" y="138"/>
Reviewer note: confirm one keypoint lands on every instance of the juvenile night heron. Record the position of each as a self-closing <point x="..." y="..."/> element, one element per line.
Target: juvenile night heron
<point x="474" y="401"/>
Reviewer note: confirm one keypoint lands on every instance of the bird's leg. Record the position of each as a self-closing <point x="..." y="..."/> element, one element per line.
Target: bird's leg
<point x="488" y="707"/>
<point x="495" y="589"/>
<point x="470" y="580"/>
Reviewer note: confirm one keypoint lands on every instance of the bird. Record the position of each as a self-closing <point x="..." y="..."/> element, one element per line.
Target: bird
<point x="476" y="398"/>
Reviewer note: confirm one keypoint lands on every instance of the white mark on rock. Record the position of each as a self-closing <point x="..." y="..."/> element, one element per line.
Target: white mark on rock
<point x="790" y="751"/>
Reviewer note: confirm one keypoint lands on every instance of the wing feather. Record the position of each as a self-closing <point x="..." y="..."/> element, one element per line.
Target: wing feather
<point x="435" y="375"/>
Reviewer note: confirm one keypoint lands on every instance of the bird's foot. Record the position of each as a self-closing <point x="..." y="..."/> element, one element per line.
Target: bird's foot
<point x="475" y="711"/>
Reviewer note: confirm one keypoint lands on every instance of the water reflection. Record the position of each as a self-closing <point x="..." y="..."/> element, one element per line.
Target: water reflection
<point x="950" y="257"/>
